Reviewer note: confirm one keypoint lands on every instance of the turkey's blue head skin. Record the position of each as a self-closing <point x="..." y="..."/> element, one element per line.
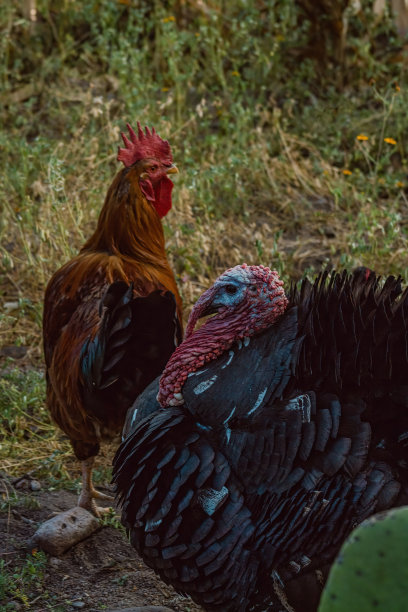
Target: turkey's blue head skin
<point x="243" y="290"/>
<point x="244" y="300"/>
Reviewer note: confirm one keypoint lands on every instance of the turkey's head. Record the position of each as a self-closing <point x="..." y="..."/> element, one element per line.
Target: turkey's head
<point x="252" y="294"/>
<point x="151" y="156"/>
<point x="244" y="300"/>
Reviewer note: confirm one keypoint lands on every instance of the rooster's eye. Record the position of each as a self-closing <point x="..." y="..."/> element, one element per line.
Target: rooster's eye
<point x="153" y="168"/>
<point x="231" y="289"/>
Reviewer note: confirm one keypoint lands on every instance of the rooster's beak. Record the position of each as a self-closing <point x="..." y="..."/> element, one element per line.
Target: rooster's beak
<point x="172" y="170"/>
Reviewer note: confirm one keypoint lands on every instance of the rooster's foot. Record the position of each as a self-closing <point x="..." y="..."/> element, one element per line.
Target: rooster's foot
<point x="89" y="493"/>
<point x="87" y="501"/>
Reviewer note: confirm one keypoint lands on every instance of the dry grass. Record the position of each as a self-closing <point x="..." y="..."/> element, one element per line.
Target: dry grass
<point x="295" y="211"/>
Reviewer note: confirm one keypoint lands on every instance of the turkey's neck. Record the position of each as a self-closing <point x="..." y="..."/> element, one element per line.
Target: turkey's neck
<point x="205" y="344"/>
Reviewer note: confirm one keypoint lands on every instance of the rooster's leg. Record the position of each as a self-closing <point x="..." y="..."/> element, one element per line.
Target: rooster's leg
<point x="89" y="493"/>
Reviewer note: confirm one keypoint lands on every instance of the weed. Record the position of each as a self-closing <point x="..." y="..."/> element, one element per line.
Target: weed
<point x="23" y="583"/>
<point x="14" y="500"/>
<point x="27" y="437"/>
<point x="121" y="581"/>
<point x="111" y="519"/>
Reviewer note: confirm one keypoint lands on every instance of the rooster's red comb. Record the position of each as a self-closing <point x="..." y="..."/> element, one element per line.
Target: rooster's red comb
<point x="142" y="145"/>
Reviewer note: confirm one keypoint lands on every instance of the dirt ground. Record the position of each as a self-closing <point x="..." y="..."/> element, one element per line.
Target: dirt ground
<point x="102" y="572"/>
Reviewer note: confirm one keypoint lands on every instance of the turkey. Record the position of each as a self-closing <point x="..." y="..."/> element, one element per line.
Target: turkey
<point x="282" y="423"/>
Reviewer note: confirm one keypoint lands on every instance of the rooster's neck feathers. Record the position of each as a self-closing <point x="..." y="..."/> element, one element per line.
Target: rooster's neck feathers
<point x="128" y="226"/>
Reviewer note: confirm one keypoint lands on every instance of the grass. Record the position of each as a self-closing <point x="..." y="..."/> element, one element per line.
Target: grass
<point x="30" y="443"/>
<point x="28" y="440"/>
<point x="23" y="584"/>
<point x="283" y="161"/>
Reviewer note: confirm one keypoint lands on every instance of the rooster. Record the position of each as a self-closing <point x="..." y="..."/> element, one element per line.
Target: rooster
<point x="281" y="423"/>
<point x="112" y="315"/>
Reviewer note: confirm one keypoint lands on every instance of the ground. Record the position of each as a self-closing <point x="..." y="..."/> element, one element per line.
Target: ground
<point x="100" y="573"/>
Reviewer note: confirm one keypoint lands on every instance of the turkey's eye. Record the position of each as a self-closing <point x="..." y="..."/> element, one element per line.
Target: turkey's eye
<point x="253" y="289"/>
<point x="231" y="289"/>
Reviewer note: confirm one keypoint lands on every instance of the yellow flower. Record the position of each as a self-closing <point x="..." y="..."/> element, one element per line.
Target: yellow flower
<point x="381" y="180"/>
<point x="390" y="141"/>
<point x="397" y="87"/>
<point x="347" y="172"/>
<point x="167" y="19"/>
<point x="235" y="73"/>
<point x="362" y="137"/>
<point x="165" y="89"/>
<point x="399" y="184"/>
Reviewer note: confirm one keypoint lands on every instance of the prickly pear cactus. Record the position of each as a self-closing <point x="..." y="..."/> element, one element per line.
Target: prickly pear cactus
<point x="370" y="573"/>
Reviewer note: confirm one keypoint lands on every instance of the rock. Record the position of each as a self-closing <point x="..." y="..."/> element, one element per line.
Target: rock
<point x="54" y="562"/>
<point x="35" y="485"/>
<point x="22" y="484"/>
<point x="78" y="604"/>
<point x="15" y="352"/>
<point x="61" y="532"/>
<point x="9" y="306"/>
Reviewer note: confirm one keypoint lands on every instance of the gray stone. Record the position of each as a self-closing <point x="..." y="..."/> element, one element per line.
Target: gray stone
<point x="54" y="562"/>
<point x="66" y="529"/>
<point x="9" y="306"/>
<point x="35" y="485"/>
<point x="15" y="352"/>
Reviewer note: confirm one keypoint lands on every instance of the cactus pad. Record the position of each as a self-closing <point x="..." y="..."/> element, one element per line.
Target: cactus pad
<point x="371" y="571"/>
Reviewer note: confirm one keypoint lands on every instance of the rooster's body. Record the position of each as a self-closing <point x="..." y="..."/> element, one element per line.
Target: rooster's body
<point x="283" y="424"/>
<point x="112" y="315"/>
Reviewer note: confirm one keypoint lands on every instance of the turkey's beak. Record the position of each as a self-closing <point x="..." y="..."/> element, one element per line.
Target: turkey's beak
<point x="172" y="170"/>
<point x="203" y="307"/>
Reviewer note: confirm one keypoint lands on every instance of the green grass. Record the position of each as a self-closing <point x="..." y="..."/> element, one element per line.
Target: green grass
<point x="28" y="440"/>
<point x="264" y="135"/>
<point x="24" y="583"/>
